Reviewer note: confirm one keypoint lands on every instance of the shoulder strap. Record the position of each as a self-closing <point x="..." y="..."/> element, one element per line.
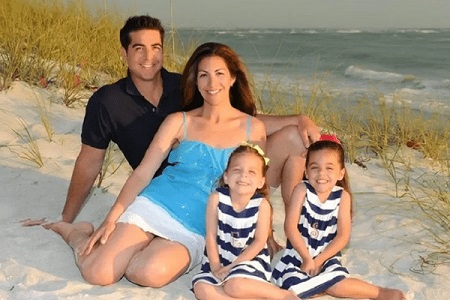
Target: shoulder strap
<point x="184" y="126"/>
<point x="249" y="128"/>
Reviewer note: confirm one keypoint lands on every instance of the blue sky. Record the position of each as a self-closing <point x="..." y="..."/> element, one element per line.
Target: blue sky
<point x="355" y="14"/>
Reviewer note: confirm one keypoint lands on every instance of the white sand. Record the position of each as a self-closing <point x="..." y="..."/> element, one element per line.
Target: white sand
<point x="37" y="264"/>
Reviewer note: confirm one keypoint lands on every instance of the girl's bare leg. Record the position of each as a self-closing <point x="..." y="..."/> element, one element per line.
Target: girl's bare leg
<point x="358" y="289"/>
<point x="106" y="264"/>
<point x="205" y="291"/>
<point x="254" y="289"/>
<point x="158" y="264"/>
<point x="387" y="293"/>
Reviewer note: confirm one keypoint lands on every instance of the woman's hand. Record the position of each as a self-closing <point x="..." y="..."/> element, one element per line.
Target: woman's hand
<point x="100" y="235"/>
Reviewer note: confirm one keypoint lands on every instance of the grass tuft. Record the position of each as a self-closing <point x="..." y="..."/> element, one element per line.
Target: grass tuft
<point x="114" y="159"/>
<point x="30" y="146"/>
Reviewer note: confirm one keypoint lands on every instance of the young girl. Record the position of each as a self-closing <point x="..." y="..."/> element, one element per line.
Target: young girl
<point x="236" y="262"/>
<point x="317" y="226"/>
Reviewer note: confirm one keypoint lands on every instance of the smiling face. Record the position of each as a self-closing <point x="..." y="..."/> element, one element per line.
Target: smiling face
<point x="323" y="171"/>
<point x="244" y="174"/>
<point x="144" y="55"/>
<point x="214" y="79"/>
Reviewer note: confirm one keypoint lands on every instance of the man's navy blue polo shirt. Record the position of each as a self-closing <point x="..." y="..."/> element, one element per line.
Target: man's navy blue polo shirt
<point x="119" y="113"/>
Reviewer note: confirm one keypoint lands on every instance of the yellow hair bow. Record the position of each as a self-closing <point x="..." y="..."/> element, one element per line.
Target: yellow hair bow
<point x="258" y="149"/>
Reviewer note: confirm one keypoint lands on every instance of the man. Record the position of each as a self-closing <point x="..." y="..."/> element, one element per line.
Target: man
<point x="130" y="111"/>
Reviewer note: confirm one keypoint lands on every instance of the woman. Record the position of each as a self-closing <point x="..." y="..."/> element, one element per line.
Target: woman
<point x="153" y="221"/>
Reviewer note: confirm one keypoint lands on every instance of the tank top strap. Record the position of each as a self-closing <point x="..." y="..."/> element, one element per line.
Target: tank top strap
<point x="249" y="128"/>
<point x="184" y="126"/>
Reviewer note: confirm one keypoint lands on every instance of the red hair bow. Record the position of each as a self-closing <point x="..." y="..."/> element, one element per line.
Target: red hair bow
<point x="329" y="137"/>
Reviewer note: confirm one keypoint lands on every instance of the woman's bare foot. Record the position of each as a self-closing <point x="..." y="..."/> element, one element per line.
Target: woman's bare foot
<point x="71" y="233"/>
<point x="390" y="294"/>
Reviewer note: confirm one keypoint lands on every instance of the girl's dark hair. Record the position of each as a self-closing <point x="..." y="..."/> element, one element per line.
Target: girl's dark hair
<point x="241" y="96"/>
<point x="247" y="149"/>
<point x="339" y="150"/>
<point x="137" y="23"/>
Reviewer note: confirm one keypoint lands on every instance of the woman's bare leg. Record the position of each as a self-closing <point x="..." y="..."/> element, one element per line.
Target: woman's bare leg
<point x="106" y="264"/>
<point x="286" y="167"/>
<point x="287" y="160"/>
<point x="75" y="235"/>
<point x="160" y="263"/>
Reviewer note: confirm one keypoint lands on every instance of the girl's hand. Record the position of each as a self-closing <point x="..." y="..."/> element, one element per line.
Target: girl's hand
<point x="100" y="235"/>
<point x="317" y="267"/>
<point x="308" y="266"/>
<point x="223" y="272"/>
<point x="215" y="268"/>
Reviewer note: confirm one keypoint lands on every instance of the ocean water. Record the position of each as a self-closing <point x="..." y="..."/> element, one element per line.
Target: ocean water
<point x="408" y="67"/>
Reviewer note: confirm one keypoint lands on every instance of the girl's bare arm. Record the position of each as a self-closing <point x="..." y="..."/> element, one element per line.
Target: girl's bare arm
<point x="261" y="234"/>
<point x="212" y="249"/>
<point x="344" y="226"/>
<point x="293" y="215"/>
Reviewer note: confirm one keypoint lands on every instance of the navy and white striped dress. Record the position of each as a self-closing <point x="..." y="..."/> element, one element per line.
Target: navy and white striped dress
<point x="235" y="232"/>
<point x="318" y="227"/>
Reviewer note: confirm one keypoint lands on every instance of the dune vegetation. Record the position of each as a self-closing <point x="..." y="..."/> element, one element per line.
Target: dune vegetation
<point x="70" y="50"/>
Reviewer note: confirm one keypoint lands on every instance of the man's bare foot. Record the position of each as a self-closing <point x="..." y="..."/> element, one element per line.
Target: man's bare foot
<point x="70" y="231"/>
<point x="390" y="294"/>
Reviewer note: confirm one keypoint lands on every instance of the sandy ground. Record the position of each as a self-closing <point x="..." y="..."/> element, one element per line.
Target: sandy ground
<point x="388" y="238"/>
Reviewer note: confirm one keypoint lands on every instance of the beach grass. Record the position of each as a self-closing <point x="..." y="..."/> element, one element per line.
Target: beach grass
<point x="44" y="108"/>
<point x="114" y="160"/>
<point x="68" y="48"/>
<point x="29" y="146"/>
<point x="49" y="42"/>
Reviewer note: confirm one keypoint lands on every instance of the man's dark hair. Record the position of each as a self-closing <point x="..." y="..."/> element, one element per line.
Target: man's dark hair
<point x="136" y="23"/>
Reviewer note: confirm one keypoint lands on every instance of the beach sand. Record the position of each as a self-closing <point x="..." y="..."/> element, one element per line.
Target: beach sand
<point x="385" y="249"/>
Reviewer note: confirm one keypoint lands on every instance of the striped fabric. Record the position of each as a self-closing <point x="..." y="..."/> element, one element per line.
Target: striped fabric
<point x="236" y="231"/>
<point x="318" y="227"/>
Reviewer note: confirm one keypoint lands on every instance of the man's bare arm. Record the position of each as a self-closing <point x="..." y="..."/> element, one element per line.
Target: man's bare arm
<point x="86" y="169"/>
